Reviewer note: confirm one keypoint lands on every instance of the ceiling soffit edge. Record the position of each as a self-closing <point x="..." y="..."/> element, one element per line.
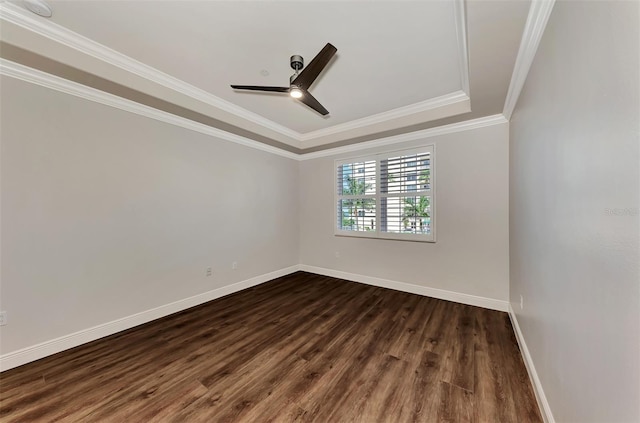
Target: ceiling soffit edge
<point x="33" y="76"/>
<point x="400" y="112"/>
<point x="43" y="79"/>
<point x="466" y="125"/>
<point x="17" y="15"/>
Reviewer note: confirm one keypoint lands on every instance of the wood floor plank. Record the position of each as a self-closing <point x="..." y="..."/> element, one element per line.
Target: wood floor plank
<point x="459" y="356"/>
<point x="346" y="360"/>
<point x="376" y="396"/>
<point x="408" y="340"/>
<point x="456" y="404"/>
<point x="423" y="388"/>
<point x="492" y="390"/>
<point x="526" y="409"/>
<point x="301" y="348"/>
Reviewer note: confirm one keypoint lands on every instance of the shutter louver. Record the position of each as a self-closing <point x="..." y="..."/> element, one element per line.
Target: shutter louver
<point x="387" y="196"/>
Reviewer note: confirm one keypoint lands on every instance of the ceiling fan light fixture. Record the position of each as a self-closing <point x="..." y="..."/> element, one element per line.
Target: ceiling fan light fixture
<point x="296" y="92"/>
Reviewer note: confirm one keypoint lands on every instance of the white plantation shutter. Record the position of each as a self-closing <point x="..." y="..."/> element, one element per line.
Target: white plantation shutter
<point x="390" y="195"/>
<point x="356" y="187"/>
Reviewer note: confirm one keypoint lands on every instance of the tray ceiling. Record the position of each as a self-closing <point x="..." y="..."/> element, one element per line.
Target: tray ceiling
<point x="400" y="64"/>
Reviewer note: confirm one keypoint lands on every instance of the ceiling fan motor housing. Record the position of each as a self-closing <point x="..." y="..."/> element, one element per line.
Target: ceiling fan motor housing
<point x="297" y="62"/>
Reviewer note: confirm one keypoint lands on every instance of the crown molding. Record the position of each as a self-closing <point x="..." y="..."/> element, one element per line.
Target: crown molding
<point x="16" y="15"/>
<point x="48" y="29"/>
<point x="537" y="19"/>
<point x="400" y="112"/>
<point x="411" y="136"/>
<point x="463" y="51"/>
<point x="33" y="76"/>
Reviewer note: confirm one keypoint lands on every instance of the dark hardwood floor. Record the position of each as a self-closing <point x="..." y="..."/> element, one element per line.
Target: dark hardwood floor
<point x="300" y="348"/>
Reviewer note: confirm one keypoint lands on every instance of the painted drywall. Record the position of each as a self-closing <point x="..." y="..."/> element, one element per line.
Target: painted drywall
<point x="106" y="214"/>
<point x="471" y="252"/>
<point x="574" y="212"/>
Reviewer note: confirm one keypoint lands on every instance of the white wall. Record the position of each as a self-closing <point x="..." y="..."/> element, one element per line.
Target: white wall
<point x="106" y="214"/>
<point x="574" y="229"/>
<point x="471" y="252"/>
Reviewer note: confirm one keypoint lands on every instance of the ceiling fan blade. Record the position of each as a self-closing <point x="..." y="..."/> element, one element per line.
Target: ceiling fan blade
<point x="313" y="69"/>
<point x="310" y="101"/>
<point x="261" y="88"/>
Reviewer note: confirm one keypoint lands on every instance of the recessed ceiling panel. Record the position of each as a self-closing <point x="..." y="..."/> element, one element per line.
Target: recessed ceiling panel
<point x="390" y="53"/>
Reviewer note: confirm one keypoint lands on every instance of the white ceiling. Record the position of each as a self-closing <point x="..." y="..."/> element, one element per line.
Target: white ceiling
<point x="399" y="63"/>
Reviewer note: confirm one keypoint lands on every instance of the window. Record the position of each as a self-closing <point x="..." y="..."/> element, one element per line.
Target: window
<point x="391" y="197"/>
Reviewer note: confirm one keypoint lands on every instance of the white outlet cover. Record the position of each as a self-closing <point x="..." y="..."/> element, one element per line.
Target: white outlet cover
<point x="3" y="318"/>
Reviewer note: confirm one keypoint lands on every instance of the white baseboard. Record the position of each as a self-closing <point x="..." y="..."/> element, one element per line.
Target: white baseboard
<point x="442" y="294"/>
<point x="44" y="349"/>
<point x="543" y="404"/>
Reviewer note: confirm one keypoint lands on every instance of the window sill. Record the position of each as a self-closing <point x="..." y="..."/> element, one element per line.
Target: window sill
<point x="389" y="237"/>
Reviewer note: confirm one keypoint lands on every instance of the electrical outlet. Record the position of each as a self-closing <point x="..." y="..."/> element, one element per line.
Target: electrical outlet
<point x="521" y="302"/>
<point x="337" y="254"/>
<point x="234" y="265"/>
<point x="3" y="318"/>
<point x="209" y="271"/>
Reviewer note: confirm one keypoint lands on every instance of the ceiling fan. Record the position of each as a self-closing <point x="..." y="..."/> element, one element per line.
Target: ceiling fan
<point x="301" y="81"/>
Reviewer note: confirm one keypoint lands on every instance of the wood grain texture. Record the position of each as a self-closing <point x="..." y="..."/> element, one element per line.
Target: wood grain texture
<point x="302" y="348"/>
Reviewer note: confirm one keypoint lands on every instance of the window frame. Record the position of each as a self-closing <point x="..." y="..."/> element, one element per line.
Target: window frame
<point x="378" y="158"/>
